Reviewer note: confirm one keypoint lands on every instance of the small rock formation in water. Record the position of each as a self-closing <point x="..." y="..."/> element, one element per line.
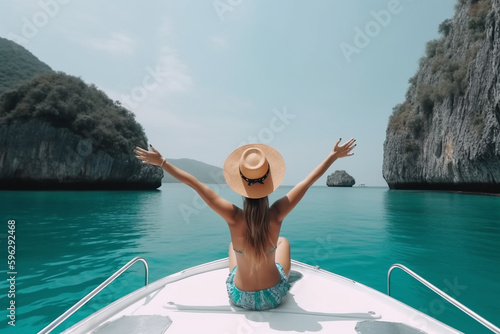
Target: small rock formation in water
<point x="446" y="134"/>
<point x="340" y="179"/>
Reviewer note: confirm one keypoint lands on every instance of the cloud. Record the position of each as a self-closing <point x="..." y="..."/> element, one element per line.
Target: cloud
<point x="218" y="43"/>
<point x="115" y="44"/>
<point x="173" y="74"/>
<point x="160" y="82"/>
<point x="161" y="92"/>
<point x="164" y="30"/>
<point x="170" y="72"/>
<point x="156" y="112"/>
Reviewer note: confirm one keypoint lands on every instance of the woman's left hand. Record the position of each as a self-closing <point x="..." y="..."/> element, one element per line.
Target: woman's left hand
<point x="344" y="150"/>
<point x="147" y="157"/>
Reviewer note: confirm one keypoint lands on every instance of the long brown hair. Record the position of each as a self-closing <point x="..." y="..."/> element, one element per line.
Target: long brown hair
<point x="256" y="212"/>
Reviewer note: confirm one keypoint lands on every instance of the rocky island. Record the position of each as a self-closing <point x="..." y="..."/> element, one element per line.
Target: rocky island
<point x="446" y="134"/>
<point x="57" y="132"/>
<point x="340" y="179"/>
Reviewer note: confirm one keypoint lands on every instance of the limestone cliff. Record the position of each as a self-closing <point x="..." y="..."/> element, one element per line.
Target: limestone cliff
<point x="37" y="155"/>
<point x="446" y="134"/>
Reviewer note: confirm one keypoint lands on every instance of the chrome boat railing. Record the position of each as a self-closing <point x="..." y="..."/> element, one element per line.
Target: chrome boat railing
<point x="94" y="292"/>
<point x="444" y="295"/>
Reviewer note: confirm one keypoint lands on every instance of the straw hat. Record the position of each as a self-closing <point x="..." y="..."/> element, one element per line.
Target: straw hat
<point x="254" y="170"/>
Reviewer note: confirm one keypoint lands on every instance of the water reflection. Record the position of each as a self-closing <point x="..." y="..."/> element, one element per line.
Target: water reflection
<point x="457" y="225"/>
<point x="452" y="240"/>
<point x="67" y="241"/>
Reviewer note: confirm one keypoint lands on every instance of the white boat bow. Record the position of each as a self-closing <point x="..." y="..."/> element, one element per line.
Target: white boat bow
<point x="195" y="301"/>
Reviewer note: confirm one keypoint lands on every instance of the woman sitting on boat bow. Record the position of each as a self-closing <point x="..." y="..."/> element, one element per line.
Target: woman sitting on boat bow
<point x="259" y="259"/>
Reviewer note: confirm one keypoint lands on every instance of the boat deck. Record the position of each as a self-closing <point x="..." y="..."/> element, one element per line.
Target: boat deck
<point x="195" y="301"/>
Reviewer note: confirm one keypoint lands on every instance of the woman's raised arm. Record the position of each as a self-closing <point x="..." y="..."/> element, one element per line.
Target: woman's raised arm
<point x="220" y="205"/>
<point x="284" y="205"/>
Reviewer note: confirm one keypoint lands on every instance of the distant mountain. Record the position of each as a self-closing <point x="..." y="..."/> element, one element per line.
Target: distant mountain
<point x="204" y="172"/>
<point x="17" y="64"/>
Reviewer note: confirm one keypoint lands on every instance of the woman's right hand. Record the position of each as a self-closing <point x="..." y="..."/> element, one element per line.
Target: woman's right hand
<point x="148" y="157"/>
<point x="344" y="150"/>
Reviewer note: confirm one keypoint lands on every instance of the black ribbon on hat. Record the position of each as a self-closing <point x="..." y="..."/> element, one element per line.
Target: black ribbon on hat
<point x="254" y="181"/>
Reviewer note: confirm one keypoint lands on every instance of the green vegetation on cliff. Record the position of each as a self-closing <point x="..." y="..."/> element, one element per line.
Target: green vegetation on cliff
<point x="17" y="64"/>
<point x="66" y="101"/>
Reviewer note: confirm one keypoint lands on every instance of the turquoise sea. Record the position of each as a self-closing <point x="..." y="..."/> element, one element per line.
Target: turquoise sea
<point x="67" y="243"/>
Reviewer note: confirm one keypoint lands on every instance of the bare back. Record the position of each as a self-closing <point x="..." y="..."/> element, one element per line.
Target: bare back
<point x="267" y="275"/>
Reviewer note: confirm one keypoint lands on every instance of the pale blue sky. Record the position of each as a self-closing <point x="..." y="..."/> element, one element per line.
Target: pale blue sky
<point x="205" y="76"/>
